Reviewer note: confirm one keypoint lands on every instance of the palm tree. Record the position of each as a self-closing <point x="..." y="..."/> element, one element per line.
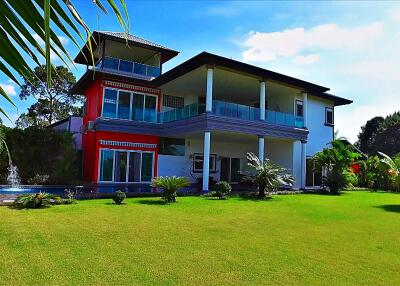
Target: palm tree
<point x="267" y="175"/>
<point x="19" y="19"/>
<point x="393" y="169"/>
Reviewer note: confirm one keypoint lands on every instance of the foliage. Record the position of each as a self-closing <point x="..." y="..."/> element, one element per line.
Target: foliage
<point x="267" y="175"/>
<point x="169" y="186"/>
<point x="41" y="151"/>
<point x="336" y="159"/>
<point x="72" y="194"/>
<point x="52" y="104"/>
<point x="38" y="179"/>
<point x="381" y="135"/>
<point x="222" y="189"/>
<point x="119" y="197"/>
<point x="35" y="201"/>
<point x="393" y="169"/>
<point x="376" y="174"/>
<point x="351" y="179"/>
<point x="25" y="25"/>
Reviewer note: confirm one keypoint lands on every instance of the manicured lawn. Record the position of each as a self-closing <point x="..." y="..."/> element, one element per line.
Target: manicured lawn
<point x="353" y="239"/>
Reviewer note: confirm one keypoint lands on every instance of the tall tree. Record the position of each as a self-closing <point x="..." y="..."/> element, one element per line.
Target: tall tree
<point x="52" y="103"/>
<point x="20" y="20"/>
<point x="366" y="138"/>
<point x="387" y="139"/>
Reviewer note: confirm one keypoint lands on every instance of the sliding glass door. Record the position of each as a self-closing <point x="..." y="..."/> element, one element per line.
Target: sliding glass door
<point x="126" y="166"/>
<point x="129" y="105"/>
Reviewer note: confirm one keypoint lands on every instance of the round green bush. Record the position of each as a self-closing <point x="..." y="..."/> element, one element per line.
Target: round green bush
<point x="119" y="197"/>
<point x="221" y="189"/>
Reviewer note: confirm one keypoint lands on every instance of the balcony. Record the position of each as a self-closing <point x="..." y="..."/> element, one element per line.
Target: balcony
<point x="128" y="68"/>
<point x="232" y="110"/>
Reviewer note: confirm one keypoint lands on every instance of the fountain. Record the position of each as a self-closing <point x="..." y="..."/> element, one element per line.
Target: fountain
<point x="13" y="176"/>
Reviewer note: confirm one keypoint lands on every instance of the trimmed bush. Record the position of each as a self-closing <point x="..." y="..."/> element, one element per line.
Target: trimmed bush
<point x="119" y="197"/>
<point x="222" y="189"/>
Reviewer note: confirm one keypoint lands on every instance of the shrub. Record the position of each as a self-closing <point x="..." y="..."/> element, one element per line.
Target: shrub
<point x="336" y="180"/>
<point x="221" y="189"/>
<point x="169" y="186"/>
<point x="119" y="197"/>
<point x="38" y="179"/>
<point x="351" y="178"/>
<point x="35" y="201"/>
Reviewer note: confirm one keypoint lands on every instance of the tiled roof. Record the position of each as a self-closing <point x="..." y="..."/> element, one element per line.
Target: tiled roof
<point x="123" y="35"/>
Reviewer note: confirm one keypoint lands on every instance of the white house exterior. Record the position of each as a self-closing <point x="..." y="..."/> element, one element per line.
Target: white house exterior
<point x="199" y="119"/>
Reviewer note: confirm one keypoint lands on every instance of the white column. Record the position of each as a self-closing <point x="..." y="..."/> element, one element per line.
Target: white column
<point x="303" y="164"/>
<point x="206" y="160"/>
<point x="262" y="99"/>
<point x="305" y="107"/>
<point x="210" y="76"/>
<point x="261" y="142"/>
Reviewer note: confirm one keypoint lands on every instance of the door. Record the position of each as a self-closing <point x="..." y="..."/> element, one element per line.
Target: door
<point x="225" y="169"/>
<point x="235" y="169"/>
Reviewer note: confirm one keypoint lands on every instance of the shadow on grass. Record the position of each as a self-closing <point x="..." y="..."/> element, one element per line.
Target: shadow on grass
<point x="390" y="208"/>
<point x="152" y="202"/>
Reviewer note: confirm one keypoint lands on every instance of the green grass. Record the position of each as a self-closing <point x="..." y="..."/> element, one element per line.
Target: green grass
<point x="352" y="239"/>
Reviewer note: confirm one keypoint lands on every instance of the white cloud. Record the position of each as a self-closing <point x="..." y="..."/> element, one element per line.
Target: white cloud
<point x="9" y="89"/>
<point x="53" y="56"/>
<point x="358" y="62"/>
<point x="306" y="60"/>
<point x="267" y="46"/>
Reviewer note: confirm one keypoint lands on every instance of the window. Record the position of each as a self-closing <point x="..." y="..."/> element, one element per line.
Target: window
<point x="126" y="166"/>
<point x="172" y="146"/>
<point x="198" y="163"/>
<point x="299" y="108"/>
<point x="329" y="116"/>
<point x="173" y="101"/>
<point x="127" y="105"/>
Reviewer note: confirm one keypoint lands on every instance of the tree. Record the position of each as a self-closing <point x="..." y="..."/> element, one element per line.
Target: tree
<point x="387" y="138"/>
<point x="267" y="175"/>
<point x="26" y="24"/>
<point x="336" y="160"/>
<point x="366" y="138"/>
<point x="53" y="103"/>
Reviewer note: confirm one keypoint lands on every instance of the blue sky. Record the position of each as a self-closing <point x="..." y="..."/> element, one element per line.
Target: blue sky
<point x="351" y="47"/>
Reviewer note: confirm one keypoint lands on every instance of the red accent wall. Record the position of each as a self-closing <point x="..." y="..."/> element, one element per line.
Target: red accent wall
<point x="90" y="139"/>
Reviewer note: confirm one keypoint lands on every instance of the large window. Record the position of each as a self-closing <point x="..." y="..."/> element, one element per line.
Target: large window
<point x="129" y="105"/>
<point x="172" y="146"/>
<point x="329" y="116"/>
<point x="198" y="163"/>
<point x="126" y="166"/>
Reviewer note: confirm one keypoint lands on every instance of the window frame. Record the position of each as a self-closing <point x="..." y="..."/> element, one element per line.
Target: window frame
<point x="297" y="101"/>
<point x="131" y="92"/>
<point x="211" y="170"/>
<point x="128" y="166"/>
<point x="329" y="109"/>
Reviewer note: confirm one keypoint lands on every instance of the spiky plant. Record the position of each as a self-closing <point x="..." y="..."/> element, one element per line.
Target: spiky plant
<point x="169" y="186"/>
<point x="393" y="166"/>
<point x="267" y="175"/>
<point x="35" y="201"/>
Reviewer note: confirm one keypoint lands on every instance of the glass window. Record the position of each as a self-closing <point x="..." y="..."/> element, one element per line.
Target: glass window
<point x="134" y="167"/>
<point x="329" y="116"/>
<point x="120" y="166"/>
<point x="110" y="63"/>
<point x="147" y="167"/>
<point x="126" y="66"/>
<point x="198" y="162"/>
<point x="137" y="106"/>
<point x="172" y="146"/>
<point x="124" y="102"/>
<point x="150" y="108"/>
<point x="139" y="69"/>
<point x="106" y="165"/>
<point x="299" y="108"/>
<point x="110" y="103"/>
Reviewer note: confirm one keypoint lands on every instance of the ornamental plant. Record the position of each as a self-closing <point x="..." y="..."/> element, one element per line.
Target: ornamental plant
<point x="119" y="197"/>
<point x="221" y="190"/>
<point x="36" y="201"/>
<point x="169" y="186"/>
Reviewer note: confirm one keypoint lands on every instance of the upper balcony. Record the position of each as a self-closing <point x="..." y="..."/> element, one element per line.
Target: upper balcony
<point x="128" y="68"/>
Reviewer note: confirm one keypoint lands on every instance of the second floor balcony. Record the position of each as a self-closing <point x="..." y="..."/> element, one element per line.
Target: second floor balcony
<point x="128" y="68"/>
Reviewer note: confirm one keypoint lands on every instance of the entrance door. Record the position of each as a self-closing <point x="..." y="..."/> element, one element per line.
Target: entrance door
<point x="225" y="169"/>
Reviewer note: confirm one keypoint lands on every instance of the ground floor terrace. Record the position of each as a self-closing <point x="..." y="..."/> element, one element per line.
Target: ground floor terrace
<point x="351" y="239"/>
<point x="204" y="157"/>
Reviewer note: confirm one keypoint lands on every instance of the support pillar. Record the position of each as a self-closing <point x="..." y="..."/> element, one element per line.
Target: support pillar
<point x="209" y="93"/>
<point x="305" y="111"/>
<point x="206" y="160"/>
<point x="262" y="99"/>
<point x="261" y="146"/>
<point x="303" y="164"/>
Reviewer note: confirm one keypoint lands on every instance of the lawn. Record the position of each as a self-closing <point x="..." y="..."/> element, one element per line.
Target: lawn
<point x="352" y="239"/>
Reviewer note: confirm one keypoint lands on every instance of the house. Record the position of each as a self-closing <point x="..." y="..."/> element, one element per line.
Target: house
<point x="198" y="119"/>
<point x="71" y="124"/>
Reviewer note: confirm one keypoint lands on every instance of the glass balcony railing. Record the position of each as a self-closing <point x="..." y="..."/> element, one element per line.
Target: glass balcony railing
<point x="128" y="68"/>
<point x="233" y="110"/>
